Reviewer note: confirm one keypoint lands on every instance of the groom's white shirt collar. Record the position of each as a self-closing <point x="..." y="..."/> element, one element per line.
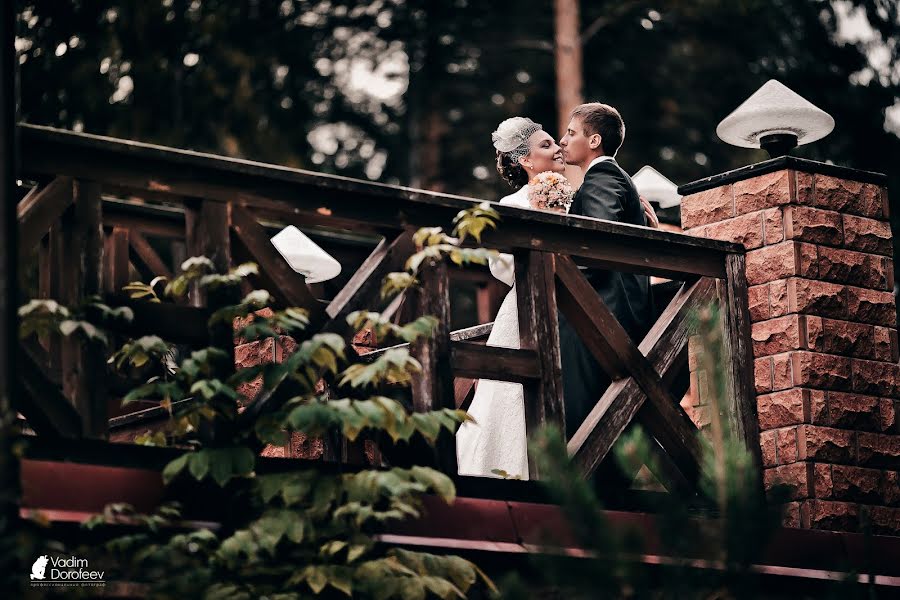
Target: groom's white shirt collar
<point x="598" y="160"/>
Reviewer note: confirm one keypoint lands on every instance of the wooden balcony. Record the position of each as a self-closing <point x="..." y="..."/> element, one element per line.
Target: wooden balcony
<point x="98" y="203"/>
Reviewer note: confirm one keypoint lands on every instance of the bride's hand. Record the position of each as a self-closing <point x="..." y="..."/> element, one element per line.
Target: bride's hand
<point x="652" y="219"/>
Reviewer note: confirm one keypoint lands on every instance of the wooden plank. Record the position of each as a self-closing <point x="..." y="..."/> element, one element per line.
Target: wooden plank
<point x="740" y="391"/>
<point x="539" y="332"/>
<point x="49" y="281"/>
<point x="175" y="323"/>
<point x="363" y="288"/>
<point x="663" y="416"/>
<point x="40" y="209"/>
<point x="576" y="298"/>
<point x="464" y="392"/>
<point x="46" y="409"/>
<point x="348" y="203"/>
<point x="477" y="332"/>
<point x="117" y="268"/>
<point x="145" y="257"/>
<point x="432" y="388"/>
<point x="40" y="357"/>
<point x="80" y="271"/>
<point x="663" y="346"/>
<point x="478" y="361"/>
<point x="290" y="287"/>
<point x="164" y="229"/>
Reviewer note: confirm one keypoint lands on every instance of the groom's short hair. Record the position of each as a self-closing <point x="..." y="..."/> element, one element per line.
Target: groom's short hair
<point x="604" y="119"/>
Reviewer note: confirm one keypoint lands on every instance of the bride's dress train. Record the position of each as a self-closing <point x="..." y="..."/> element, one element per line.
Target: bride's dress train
<point x="497" y="438"/>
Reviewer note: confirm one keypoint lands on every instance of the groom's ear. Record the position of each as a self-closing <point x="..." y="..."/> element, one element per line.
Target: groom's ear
<point x="594" y="141"/>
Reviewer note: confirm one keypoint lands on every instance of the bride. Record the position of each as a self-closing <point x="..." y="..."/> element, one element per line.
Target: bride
<point x="496" y="440"/>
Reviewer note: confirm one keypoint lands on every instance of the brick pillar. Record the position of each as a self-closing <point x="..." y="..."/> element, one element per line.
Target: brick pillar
<point x="824" y="333"/>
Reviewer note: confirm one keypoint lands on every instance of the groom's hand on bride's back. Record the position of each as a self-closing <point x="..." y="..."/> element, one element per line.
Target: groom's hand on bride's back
<point x="652" y="219"/>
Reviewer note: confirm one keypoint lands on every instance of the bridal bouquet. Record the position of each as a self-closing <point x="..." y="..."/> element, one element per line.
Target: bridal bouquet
<point x="550" y="191"/>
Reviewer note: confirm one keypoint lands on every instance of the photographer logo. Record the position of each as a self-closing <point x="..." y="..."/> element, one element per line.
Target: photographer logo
<point x="56" y="571"/>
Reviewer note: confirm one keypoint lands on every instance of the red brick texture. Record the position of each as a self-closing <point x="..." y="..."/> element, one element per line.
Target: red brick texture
<point x="824" y="335"/>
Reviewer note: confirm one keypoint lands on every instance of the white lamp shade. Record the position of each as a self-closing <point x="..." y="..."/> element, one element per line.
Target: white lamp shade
<point x="656" y="187"/>
<point x="305" y="256"/>
<point x="774" y="109"/>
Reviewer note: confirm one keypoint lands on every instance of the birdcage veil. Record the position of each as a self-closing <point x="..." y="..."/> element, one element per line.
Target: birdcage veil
<point x="511" y="136"/>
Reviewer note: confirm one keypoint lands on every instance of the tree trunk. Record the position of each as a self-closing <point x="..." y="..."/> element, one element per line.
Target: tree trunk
<point x="569" y="73"/>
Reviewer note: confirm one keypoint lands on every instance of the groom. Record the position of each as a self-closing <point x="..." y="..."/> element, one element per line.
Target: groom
<point x="593" y="136"/>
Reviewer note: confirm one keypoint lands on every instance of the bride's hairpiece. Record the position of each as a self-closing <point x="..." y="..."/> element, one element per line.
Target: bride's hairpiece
<point x="512" y="136"/>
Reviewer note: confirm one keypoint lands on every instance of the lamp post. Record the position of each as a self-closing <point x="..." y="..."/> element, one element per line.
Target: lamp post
<point x="656" y="187"/>
<point x="776" y="119"/>
<point x="305" y="256"/>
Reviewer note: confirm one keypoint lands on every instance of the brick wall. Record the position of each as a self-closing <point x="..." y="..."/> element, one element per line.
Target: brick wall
<point x="248" y="354"/>
<point x="824" y="339"/>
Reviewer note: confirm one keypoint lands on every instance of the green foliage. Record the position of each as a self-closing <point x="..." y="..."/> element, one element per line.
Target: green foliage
<point x="139" y="290"/>
<point x="41" y="317"/>
<point x="434" y="244"/>
<point x="316" y="417"/>
<point x="139" y="352"/>
<point x="384" y="329"/>
<point x="393" y="366"/>
<point x="283" y="535"/>
<point x="472" y="222"/>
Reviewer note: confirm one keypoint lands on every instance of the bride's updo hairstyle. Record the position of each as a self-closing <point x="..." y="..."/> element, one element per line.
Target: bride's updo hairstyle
<point x="511" y="142"/>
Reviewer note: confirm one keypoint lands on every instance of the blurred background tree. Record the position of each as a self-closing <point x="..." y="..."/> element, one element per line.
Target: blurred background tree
<point x="408" y="91"/>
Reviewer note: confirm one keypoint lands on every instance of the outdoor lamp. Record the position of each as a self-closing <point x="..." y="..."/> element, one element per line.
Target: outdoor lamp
<point x="305" y="256"/>
<point x="776" y="119"/>
<point x="656" y="187"/>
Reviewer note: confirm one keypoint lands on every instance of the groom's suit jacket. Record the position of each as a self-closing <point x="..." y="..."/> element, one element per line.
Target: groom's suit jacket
<point x="607" y="193"/>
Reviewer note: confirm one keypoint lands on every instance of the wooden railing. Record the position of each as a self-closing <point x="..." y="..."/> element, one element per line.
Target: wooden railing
<point x="220" y="208"/>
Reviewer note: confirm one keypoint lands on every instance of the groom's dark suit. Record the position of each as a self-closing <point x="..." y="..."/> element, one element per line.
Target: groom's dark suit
<point x="607" y="193"/>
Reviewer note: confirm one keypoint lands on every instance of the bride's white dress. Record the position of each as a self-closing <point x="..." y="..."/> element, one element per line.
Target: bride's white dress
<point x="497" y="438"/>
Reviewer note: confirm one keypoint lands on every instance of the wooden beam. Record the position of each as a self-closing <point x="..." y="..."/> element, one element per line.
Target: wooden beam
<point x="464" y="392"/>
<point x="46" y="409"/>
<point x="577" y="298"/>
<point x="49" y="281"/>
<point x="478" y="361"/>
<point x="117" y="268"/>
<point x="664" y="417"/>
<point x="740" y="392"/>
<point x="80" y="271"/>
<point x="539" y="332"/>
<point x="663" y="346"/>
<point x="290" y="287"/>
<point x="363" y="288"/>
<point x="41" y="358"/>
<point x="42" y="207"/>
<point x="175" y="323"/>
<point x="477" y="332"/>
<point x="145" y="257"/>
<point x="348" y="203"/>
<point x="432" y="387"/>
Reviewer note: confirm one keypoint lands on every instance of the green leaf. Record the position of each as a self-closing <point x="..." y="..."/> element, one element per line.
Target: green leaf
<point x="174" y="468"/>
<point x="436" y="481"/>
<point x="428" y="425"/>
<point x="199" y="464"/>
<point x="316" y="578"/>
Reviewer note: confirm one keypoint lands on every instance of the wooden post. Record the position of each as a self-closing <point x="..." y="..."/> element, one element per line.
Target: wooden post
<point x="539" y="331"/>
<point x="740" y="392"/>
<point x="208" y="233"/>
<point x="10" y="482"/>
<point x="432" y="389"/>
<point x="80" y="272"/>
<point x="116" y="263"/>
